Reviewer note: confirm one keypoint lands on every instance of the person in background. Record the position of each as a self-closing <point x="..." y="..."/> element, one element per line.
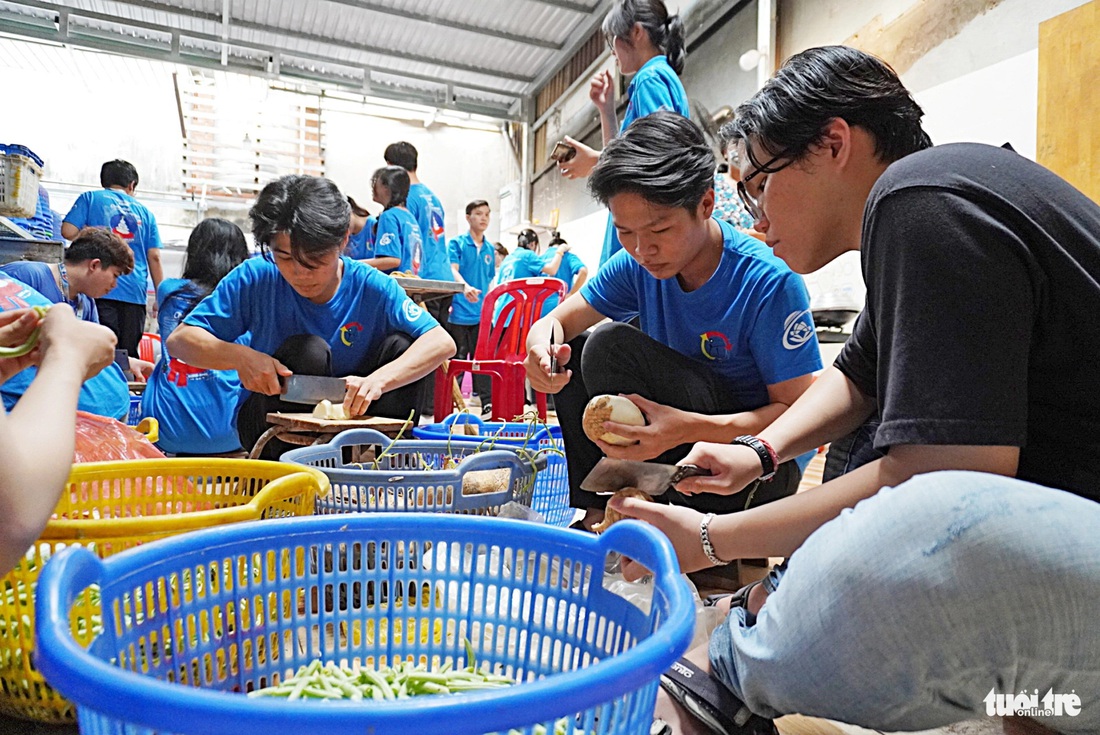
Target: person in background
<point x="725" y="342"/>
<point x="473" y="262"/>
<point x="122" y="310"/>
<point x="309" y="311"/>
<point x="38" y="436"/>
<point x="647" y="43"/>
<point x="104" y="394"/>
<point x="92" y="265"/>
<point x="397" y="237"/>
<point x="501" y="253"/>
<point x="964" y="561"/>
<point x="361" y="234"/>
<point x="572" y="271"/>
<point x="196" y="409"/>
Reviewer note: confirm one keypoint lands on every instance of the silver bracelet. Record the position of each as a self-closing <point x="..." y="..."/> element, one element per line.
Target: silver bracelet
<point x="704" y="536"/>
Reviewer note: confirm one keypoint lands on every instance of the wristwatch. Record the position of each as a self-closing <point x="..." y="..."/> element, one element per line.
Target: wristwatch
<point x="769" y="460"/>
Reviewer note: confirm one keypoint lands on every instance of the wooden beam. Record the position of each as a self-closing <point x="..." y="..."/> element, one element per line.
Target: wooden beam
<point x="925" y="25"/>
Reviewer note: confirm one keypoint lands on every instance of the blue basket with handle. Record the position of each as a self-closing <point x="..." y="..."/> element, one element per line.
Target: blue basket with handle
<point x="551" y="497"/>
<point x="415" y="475"/>
<point x="191" y="623"/>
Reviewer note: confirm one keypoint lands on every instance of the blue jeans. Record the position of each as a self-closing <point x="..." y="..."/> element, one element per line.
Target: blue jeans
<point x="905" y="612"/>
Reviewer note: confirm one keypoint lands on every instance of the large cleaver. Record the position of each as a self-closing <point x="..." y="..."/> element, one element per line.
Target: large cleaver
<point x="611" y="475"/>
<point x="313" y="389"/>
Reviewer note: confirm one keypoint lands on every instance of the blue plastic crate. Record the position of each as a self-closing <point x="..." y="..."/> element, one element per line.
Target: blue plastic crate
<point x="551" y="497"/>
<point x="413" y="476"/>
<point x="193" y="621"/>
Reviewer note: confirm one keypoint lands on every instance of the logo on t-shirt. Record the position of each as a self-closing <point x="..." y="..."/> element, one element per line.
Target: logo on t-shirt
<point x="348" y="332"/>
<point x="715" y="346"/>
<point x="798" y="328"/>
<point x="125" y="225"/>
<point x="385" y="239"/>
<point x="437" y="223"/>
<point x="412" y="311"/>
<point x="12" y="295"/>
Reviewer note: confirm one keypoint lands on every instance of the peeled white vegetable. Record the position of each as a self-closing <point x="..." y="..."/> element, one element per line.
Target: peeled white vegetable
<point x="610" y="408"/>
<point x="325" y="410"/>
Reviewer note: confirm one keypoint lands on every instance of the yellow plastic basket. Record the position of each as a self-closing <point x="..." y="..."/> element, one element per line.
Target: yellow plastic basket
<point x="109" y="507"/>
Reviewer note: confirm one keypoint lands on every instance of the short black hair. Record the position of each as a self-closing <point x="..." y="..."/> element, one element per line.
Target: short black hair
<point x="790" y="113"/>
<point x="215" y="247"/>
<point x="117" y="173"/>
<point x="527" y="239"/>
<point x="475" y="204"/>
<point x="396" y="180"/>
<point x="401" y="154"/>
<point x="666" y="32"/>
<point x="309" y="209"/>
<point x="662" y="157"/>
<point x="100" y="243"/>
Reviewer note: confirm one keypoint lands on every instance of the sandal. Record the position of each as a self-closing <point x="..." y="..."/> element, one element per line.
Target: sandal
<point x="711" y="702"/>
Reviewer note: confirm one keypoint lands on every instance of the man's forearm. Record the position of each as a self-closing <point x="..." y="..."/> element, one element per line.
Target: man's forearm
<point x="156" y="270"/>
<point x="829" y="409"/>
<point x="198" y="348"/>
<point x="724" y="428"/>
<point x="424" y="355"/>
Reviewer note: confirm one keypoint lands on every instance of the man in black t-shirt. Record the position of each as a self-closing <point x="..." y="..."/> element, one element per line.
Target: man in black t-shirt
<point x="938" y="597"/>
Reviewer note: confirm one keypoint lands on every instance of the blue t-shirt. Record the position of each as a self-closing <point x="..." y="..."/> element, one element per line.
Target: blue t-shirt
<point x="398" y="236"/>
<point x="39" y="277"/>
<point x="428" y="212"/>
<point x="129" y="219"/>
<point x="477" y="266"/>
<point x="104" y="394"/>
<point x="750" y="322"/>
<point x="654" y="87"/>
<point x="196" y="411"/>
<point x="361" y="245"/>
<point x="367" y="307"/>
<point x="520" y="263"/>
<point x="570" y="266"/>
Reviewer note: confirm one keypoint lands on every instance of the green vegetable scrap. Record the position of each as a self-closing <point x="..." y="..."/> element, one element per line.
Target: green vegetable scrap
<point x="32" y="341"/>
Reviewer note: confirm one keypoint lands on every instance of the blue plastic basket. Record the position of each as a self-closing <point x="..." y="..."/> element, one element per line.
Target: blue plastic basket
<point x="191" y="622"/>
<point x="552" y="485"/>
<point x="133" y="418"/>
<point x="412" y="476"/>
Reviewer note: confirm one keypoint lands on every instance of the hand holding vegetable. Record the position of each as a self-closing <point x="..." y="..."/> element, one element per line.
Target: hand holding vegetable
<point x="16" y="330"/>
<point x="666" y="428"/>
<point x="65" y="337"/>
<point x="361" y="393"/>
<point x="679" y="523"/>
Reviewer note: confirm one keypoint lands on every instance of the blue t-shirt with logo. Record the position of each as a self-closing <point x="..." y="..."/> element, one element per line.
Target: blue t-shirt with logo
<point x="750" y="322"/>
<point x="477" y="266"/>
<point x="104" y="394"/>
<point x="570" y="266"/>
<point x="129" y="219"/>
<point x="196" y="410"/>
<point x="520" y="263"/>
<point x="39" y="277"/>
<point x="398" y="236"/>
<point x="654" y="87"/>
<point x="426" y="208"/>
<point x="367" y="307"/>
<point x="361" y="245"/>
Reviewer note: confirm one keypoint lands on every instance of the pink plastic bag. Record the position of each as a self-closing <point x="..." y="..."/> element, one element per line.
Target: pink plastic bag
<point x="100" y="439"/>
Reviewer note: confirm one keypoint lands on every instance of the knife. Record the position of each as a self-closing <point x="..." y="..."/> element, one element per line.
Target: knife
<point x="313" y="389"/>
<point x="611" y="475"/>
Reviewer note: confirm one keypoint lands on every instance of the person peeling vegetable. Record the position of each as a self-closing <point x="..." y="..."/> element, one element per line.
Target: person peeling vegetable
<point x="38" y="437"/>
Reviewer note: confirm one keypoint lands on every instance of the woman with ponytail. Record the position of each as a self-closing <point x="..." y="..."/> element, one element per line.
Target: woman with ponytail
<point x="647" y="43"/>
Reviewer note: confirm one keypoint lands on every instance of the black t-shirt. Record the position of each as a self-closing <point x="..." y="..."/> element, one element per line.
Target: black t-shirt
<point x="982" y="324"/>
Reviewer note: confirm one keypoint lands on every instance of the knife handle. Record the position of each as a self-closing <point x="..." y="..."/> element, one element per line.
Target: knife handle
<point x="689" y="470"/>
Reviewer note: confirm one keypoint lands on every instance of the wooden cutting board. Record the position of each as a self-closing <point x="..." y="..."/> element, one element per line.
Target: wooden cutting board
<point x="307" y="422"/>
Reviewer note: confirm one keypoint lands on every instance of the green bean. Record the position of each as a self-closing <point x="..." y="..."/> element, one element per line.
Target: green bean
<point x="30" y="343"/>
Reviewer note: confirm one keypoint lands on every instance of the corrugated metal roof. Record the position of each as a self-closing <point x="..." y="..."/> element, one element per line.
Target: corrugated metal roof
<point x="487" y="54"/>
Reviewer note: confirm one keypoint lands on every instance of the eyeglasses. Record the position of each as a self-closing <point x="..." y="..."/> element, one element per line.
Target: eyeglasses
<point x="750" y="202"/>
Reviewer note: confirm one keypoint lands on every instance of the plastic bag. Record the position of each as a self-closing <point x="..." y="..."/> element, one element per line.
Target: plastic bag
<point x="100" y="439"/>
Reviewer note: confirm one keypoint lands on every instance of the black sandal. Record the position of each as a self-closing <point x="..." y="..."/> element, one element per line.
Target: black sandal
<point x="711" y="702"/>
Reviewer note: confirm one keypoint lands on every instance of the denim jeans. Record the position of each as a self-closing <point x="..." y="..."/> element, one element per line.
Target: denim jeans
<point x="905" y="612"/>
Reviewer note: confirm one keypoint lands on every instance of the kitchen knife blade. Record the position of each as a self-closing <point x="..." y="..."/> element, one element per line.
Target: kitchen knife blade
<point x="313" y="389"/>
<point x="611" y="475"/>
